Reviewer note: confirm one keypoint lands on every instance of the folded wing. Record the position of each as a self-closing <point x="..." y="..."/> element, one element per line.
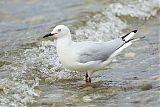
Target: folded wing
<point x="101" y="51"/>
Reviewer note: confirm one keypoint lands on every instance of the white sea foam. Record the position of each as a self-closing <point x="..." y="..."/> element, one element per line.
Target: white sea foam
<point x="109" y="25"/>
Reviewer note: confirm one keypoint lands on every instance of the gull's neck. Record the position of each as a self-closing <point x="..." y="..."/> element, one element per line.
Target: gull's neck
<point x="64" y="41"/>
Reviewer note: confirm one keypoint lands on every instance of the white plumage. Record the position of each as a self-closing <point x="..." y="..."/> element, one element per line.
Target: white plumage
<point x="87" y="56"/>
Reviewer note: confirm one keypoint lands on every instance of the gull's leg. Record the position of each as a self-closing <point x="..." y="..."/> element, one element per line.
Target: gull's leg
<point x="87" y="78"/>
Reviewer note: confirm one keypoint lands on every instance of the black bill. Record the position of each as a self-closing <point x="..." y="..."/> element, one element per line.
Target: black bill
<point x="47" y="35"/>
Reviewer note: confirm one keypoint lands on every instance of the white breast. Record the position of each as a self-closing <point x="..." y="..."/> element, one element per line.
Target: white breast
<point x="66" y="55"/>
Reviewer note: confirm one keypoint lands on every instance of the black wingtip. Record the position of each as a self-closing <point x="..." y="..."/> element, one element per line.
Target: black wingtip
<point x="135" y="31"/>
<point x="128" y="34"/>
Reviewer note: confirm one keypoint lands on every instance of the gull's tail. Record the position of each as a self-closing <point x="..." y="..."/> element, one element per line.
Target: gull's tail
<point x="127" y="42"/>
<point x="128" y="39"/>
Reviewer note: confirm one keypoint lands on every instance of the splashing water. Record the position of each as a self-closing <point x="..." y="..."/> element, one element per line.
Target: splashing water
<point x="109" y="25"/>
<point x="41" y="63"/>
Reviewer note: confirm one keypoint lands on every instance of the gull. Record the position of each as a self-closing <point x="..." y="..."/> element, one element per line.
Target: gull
<point x="87" y="56"/>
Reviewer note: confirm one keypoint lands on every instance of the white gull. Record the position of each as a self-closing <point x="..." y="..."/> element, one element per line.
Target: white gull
<point x="87" y="56"/>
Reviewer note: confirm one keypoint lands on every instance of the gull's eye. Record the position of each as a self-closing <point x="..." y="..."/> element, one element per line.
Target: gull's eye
<point x="59" y="30"/>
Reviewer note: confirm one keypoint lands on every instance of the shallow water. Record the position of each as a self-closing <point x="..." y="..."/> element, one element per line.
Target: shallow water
<point x="31" y="74"/>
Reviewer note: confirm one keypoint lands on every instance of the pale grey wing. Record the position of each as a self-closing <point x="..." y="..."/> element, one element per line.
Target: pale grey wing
<point x="99" y="51"/>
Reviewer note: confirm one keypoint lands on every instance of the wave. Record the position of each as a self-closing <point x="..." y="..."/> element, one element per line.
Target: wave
<point x="41" y="63"/>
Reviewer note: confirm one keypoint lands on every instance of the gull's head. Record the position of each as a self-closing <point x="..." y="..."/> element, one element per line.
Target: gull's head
<point x="59" y="31"/>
